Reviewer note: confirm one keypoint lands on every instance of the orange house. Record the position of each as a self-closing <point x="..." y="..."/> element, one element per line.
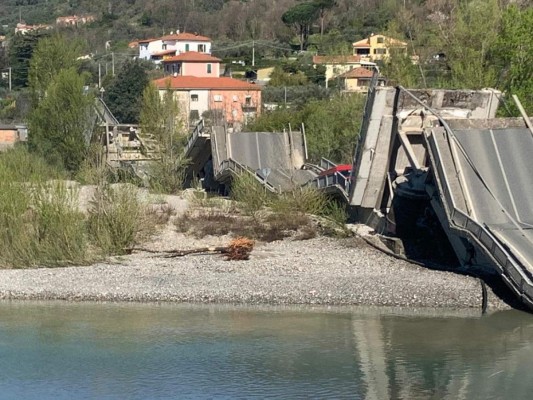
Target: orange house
<point x="228" y="100"/>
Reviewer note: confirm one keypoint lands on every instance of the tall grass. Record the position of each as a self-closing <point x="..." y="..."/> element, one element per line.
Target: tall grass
<point x="250" y="193"/>
<point x="117" y="218"/>
<point x="40" y="224"/>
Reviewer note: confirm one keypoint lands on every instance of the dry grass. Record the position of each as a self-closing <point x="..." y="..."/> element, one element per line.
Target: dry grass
<point x="201" y="223"/>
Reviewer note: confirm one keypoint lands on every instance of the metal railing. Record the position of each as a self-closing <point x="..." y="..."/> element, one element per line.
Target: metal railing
<point x="197" y="131"/>
<point x="236" y="168"/>
<point x="105" y="112"/>
<point x="516" y="275"/>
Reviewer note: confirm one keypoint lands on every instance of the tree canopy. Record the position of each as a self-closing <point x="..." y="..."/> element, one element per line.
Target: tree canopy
<point x="124" y="95"/>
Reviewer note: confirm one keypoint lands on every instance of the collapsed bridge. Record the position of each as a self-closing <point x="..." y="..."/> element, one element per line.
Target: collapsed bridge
<point x="439" y="160"/>
<point x="433" y="168"/>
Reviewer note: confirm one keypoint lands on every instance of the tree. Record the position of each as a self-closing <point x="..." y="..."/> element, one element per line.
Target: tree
<point x="323" y="6"/>
<point x="300" y="17"/>
<point x="161" y="119"/>
<point x="20" y="52"/>
<point x="124" y="95"/>
<point x="51" y="55"/>
<point x="332" y="126"/>
<point x="467" y="37"/>
<point x="61" y="123"/>
<point x="513" y="55"/>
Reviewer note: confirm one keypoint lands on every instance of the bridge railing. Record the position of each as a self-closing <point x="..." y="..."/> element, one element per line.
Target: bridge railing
<point x="197" y="131"/>
<point x="236" y="168"/>
<point x="511" y="269"/>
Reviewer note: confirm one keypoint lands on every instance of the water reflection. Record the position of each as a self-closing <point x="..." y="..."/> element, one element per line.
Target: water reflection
<point x="64" y="350"/>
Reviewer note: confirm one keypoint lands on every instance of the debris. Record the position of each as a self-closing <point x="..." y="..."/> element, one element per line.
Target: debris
<point x="238" y="249"/>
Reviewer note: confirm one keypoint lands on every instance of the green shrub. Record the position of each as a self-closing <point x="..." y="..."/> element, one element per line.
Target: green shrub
<point x="40" y="226"/>
<point x="250" y="193"/>
<point x="303" y="200"/>
<point x="116" y="218"/>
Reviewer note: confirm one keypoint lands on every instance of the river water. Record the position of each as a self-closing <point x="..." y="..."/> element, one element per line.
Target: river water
<point x="56" y="350"/>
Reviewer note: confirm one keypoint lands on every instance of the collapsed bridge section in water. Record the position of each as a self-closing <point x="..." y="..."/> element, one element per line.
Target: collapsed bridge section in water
<point x="439" y="161"/>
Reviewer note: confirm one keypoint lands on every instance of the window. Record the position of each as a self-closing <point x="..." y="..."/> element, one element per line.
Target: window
<point x="164" y="46"/>
<point x="208" y="68"/>
<point x="194" y="97"/>
<point x="248" y="101"/>
<point x="235" y="97"/>
<point x="380" y="51"/>
<point x="187" y="47"/>
<point x="201" y="48"/>
<point x="217" y="97"/>
<point x="194" y="115"/>
<point x="380" y="39"/>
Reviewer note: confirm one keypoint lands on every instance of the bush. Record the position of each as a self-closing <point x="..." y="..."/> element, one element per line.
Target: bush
<point x="250" y="193"/>
<point x="117" y="219"/>
<point x="40" y="226"/>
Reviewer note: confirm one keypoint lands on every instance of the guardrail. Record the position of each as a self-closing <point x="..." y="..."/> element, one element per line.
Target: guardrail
<point x="106" y="111"/>
<point x="198" y="129"/>
<point x="237" y="168"/>
<point x="511" y="269"/>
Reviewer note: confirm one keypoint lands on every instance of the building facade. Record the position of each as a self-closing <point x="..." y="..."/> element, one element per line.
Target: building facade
<point x="157" y="49"/>
<point x="223" y="99"/>
<point x="377" y="47"/>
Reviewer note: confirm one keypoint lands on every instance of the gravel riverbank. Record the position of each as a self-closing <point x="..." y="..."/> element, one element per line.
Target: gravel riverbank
<point x="317" y="271"/>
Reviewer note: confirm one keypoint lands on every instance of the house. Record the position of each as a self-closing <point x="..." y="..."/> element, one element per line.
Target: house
<point x="232" y="101"/>
<point x="358" y="80"/>
<point x="192" y="63"/>
<point x="173" y="44"/>
<point x="377" y="47"/>
<point x="147" y="47"/>
<point x="74" y="20"/>
<point x="338" y="65"/>
<point x="22" y="28"/>
<point x="11" y="134"/>
<point x="263" y="74"/>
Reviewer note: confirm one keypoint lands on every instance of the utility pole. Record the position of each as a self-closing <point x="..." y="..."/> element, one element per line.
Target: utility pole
<point x="99" y="75"/>
<point x="112" y="64"/>
<point x="9" y="79"/>
<point x="253" y="53"/>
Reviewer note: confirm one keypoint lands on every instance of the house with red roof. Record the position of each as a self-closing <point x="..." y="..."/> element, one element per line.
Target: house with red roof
<point x="192" y="63"/>
<point x="358" y="79"/>
<point x="338" y="65"/>
<point x="158" y="49"/>
<point x="378" y="47"/>
<point x="230" y="100"/>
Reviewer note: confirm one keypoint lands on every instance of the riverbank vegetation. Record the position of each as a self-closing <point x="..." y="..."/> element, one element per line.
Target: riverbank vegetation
<point x="41" y="221"/>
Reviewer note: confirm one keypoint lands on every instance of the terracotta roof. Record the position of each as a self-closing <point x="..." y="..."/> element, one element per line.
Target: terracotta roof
<point x="164" y="52"/>
<point x="362" y="43"/>
<point x="357" y="73"/>
<point x="147" y="40"/>
<point x="195" y="82"/>
<point x="336" y="59"/>
<point x="193" y="56"/>
<point x="186" y="37"/>
<point x="365" y="43"/>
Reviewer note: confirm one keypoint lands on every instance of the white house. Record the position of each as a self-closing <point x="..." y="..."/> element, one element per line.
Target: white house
<point x="173" y="44"/>
<point x="149" y="46"/>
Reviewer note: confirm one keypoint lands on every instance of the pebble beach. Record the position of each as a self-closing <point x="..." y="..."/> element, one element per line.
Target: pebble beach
<point x="320" y="271"/>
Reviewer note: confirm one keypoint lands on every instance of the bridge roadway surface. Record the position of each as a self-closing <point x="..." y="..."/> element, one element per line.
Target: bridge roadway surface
<point x="498" y="174"/>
